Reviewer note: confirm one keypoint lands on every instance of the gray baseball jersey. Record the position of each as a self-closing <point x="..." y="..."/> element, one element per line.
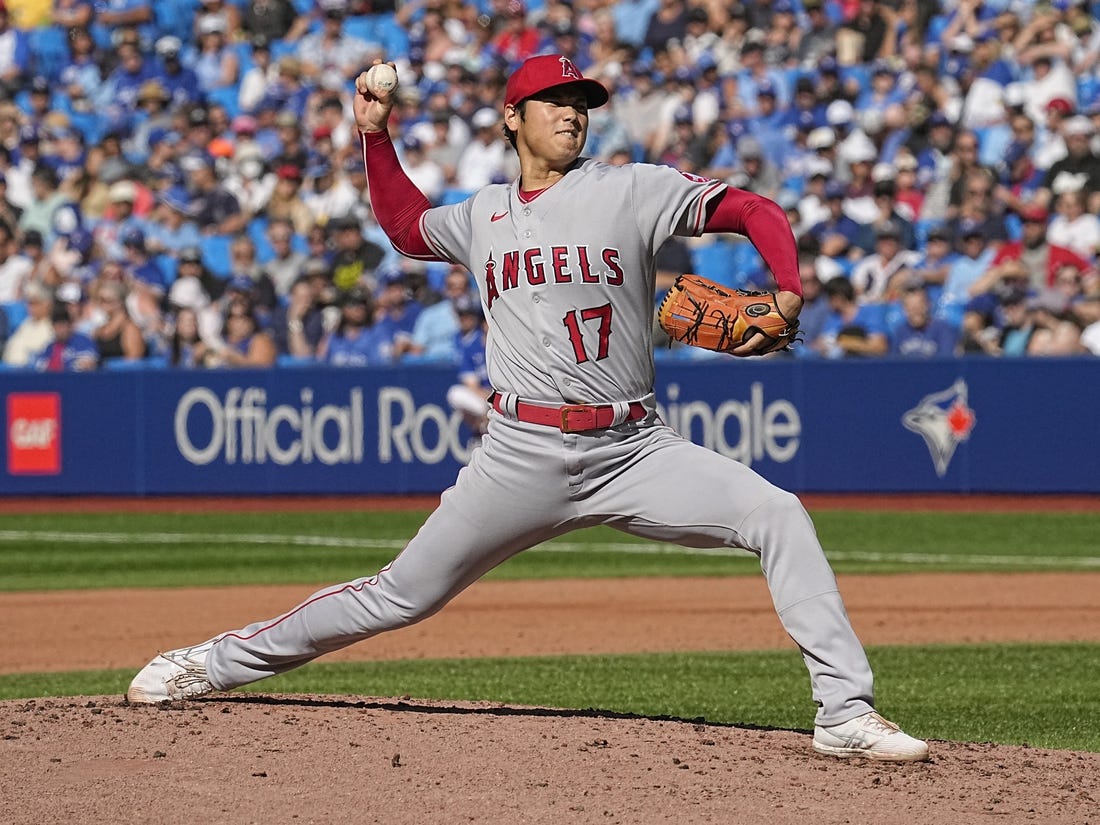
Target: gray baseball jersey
<point x="567" y="285"/>
<point x="571" y="320"/>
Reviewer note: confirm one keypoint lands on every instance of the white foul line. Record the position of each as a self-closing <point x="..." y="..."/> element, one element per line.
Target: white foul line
<point x="626" y="548"/>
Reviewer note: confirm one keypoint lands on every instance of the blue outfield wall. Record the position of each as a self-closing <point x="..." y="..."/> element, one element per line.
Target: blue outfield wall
<point x="969" y="425"/>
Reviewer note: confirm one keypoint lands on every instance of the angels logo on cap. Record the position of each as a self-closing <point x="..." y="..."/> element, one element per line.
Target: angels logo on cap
<point x="537" y="74"/>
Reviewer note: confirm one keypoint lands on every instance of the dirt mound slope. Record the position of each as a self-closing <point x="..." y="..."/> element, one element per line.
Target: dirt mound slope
<point x="268" y="759"/>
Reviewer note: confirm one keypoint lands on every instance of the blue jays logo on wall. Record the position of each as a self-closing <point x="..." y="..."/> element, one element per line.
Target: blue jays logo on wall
<point x="944" y="420"/>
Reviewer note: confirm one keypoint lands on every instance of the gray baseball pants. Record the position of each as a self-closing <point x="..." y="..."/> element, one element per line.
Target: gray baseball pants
<point x="529" y="483"/>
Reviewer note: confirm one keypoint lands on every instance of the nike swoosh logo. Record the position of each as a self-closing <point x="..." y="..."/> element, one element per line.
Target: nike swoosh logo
<point x="498" y="216"/>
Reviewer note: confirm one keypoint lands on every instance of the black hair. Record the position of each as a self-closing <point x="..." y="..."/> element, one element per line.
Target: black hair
<point x="509" y="134"/>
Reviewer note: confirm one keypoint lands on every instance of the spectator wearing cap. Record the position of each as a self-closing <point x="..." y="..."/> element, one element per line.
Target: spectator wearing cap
<point x="1037" y="48"/>
<point x="679" y="145"/>
<point x="217" y="211"/>
<point x="117" y="218"/>
<point x="976" y="255"/>
<point x="117" y="97"/>
<point x="178" y="79"/>
<point x="487" y="158"/>
<point x="879" y="277"/>
<point x="838" y="235"/>
<point x="292" y="147"/>
<point x="333" y="49"/>
<point x="1073" y="227"/>
<point x="249" y="180"/>
<point x="470" y="396"/>
<point x="1050" y="144"/>
<point x="422" y="170"/>
<point x="35" y="331"/>
<point x="69" y="351"/>
<point x="328" y="195"/>
<point x="216" y="64"/>
<point x="919" y="334"/>
<point x="1079" y="169"/>
<point x="1032" y="258"/>
<point x="14" y="267"/>
<point x="756" y="173"/>
<point x="852" y="330"/>
<point x="243" y="267"/>
<point x="515" y="39"/>
<point x="756" y="73"/>
<point x="771" y="124"/>
<point x="152" y="116"/>
<point x="70" y="260"/>
<point x="1019" y="178"/>
<point x="286" y="199"/>
<point x="396" y="311"/>
<point x="145" y="279"/>
<point x="357" y="340"/>
<point x="355" y="258"/>
<point x="228" y="15"/>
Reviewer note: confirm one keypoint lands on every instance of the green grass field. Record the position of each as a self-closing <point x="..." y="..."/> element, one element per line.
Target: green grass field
<point x="1043" y="695"/>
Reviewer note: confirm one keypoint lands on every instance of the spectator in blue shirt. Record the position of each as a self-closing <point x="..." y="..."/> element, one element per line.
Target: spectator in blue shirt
<point x="852" y="329"/>
<point x="471" y="395"/>
<point x="919" y="335"/>
<point x="356" y="341"/>
<point x="69" y="351"/>
<point x="433" y="335"/>
<point x="118" y="96"/>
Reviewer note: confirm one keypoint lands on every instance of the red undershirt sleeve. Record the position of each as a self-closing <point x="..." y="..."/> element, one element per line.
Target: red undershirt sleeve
<point x="396" y="201"/>
<point x="765" y="223"/>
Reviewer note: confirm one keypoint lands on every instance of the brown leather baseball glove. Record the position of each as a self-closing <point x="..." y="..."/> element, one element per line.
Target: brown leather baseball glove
<point x="705" y="314"/>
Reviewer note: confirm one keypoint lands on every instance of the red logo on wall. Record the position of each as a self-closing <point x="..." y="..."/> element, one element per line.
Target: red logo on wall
<point x="34" y="433"/>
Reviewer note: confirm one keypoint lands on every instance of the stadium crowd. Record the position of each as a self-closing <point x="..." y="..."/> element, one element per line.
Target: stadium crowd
<point x="181" y="183"/>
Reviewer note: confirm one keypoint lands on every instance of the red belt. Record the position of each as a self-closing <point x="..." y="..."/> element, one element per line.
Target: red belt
<point x="571" y="418"/>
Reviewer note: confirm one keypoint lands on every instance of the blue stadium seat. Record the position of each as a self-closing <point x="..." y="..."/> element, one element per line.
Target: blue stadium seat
<point x="732" y="264"/>
<point x="49" y="50"/>
<point x="257" y="231"/>
<point x="168" y="265"/>
<point x="295" y="361"/>
<point x="215" y="253"/>
<point x="16" y="312"/>
<point x="451" y="196"/>
<point x="394" y="39"/>
<point x="361" y="26"/>
<point x="228" y="98"/>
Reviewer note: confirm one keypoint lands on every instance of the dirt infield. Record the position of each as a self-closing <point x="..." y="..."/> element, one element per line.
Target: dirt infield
<point x="276" y="759"/>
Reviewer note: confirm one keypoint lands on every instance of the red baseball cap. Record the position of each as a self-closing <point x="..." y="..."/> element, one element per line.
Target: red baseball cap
<point x="547" y="71"/>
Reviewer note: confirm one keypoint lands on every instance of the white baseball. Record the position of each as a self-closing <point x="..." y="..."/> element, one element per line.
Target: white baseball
<point x="381" y="78"/>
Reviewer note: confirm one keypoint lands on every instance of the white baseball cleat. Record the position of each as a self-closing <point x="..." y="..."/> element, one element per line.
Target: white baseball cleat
<point x="871" y="737"/>
<point x="177" y="674"/>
